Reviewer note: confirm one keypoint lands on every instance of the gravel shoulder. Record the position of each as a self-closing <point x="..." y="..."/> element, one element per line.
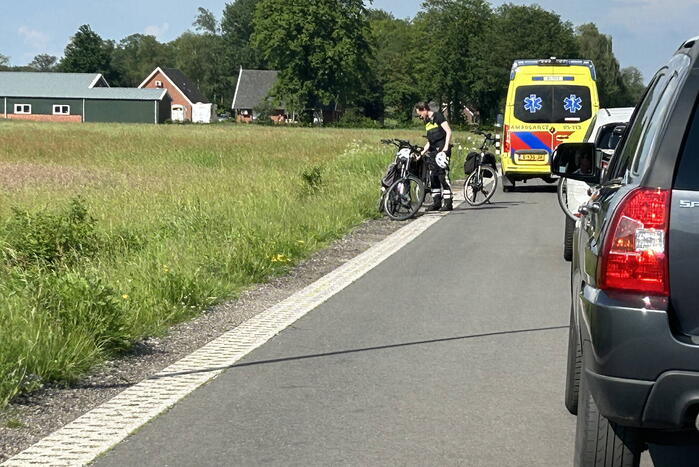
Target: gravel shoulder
<point x="34" y="416"/>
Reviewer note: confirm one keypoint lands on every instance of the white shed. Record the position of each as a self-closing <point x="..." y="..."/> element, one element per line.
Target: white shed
<point x="203" y="113"/>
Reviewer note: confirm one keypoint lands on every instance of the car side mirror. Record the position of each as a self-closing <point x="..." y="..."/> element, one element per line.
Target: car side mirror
<point x="577" y="161"/>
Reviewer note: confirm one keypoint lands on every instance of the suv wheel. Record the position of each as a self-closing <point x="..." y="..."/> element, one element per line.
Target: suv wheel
<point x="599" y="442"/>
<point x="574" y="367"/>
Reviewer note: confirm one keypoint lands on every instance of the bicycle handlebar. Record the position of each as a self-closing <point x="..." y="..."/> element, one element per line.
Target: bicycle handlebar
<point x="489" y="137"/>
<point x="401" y="143"/>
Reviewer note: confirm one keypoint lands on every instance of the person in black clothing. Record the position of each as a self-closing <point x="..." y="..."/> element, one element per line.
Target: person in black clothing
<point x="439" y="148"/>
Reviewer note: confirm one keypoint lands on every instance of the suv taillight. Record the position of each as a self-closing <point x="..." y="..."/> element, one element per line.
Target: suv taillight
<point x="634" y="256"/>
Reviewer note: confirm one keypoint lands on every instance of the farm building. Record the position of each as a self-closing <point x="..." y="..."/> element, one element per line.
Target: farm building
<point x="78" y="97"/>
<point x="188" y="104"/>
<point x="250" y="94"/>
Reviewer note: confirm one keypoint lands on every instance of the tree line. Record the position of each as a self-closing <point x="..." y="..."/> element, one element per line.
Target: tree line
<point x="340" y="52"/>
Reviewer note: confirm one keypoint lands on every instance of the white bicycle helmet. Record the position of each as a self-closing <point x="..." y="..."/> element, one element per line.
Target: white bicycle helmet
<point x="442" y="160"/>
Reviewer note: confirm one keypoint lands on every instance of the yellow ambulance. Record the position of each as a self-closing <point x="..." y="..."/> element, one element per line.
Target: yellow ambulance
<point x="549" y="101"/>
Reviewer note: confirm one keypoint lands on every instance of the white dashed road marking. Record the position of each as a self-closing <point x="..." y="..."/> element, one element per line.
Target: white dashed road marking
<point x="90" y="435"/>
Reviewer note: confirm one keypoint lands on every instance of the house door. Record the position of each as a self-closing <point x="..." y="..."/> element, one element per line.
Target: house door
<point x="177" y="113"/>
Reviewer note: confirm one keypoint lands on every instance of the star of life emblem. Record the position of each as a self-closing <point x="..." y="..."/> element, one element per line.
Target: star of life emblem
<point x="572" y="104"/>
<point x="533" y="103"/>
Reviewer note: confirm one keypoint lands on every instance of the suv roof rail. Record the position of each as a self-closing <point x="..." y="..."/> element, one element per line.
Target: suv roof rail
<point x="690" y="47"/>
<point x="553" y="61"/>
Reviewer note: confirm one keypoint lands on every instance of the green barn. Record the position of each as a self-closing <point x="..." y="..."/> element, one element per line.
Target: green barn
<point x="78" y="97"/>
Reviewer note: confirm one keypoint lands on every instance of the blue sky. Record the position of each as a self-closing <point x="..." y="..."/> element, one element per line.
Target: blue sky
<point x="645" y="32"/>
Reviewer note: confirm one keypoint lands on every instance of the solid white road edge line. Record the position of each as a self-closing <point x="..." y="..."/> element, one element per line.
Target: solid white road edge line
<point x="100" y="429"/>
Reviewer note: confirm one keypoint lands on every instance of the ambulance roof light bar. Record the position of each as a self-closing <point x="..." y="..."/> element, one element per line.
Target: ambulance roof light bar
<point x="553" y="61"/>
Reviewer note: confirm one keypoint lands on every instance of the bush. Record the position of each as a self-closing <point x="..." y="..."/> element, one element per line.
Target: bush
<point x="353" y="118"/>
<point x="81" y="301"/>
<point x="56" y="324"/>
<point x="49" y="238"/>
<point x="264" y="112"/>
<point x="313" y="180"/>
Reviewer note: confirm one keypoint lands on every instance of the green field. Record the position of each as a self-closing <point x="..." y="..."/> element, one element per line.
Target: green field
<point x="110" y="233"/>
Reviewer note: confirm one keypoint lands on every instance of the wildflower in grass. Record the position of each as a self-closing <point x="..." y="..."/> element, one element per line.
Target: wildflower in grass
<point x="300" y="242"/>
<point x="125" y="296"/>
<point x="165" y="268"/>
<point x="280" y="258"/>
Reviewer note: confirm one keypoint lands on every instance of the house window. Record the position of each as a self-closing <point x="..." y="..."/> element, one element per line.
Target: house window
<point x="23" y="108"/>
<point x="158" y="84"/>
<point x="61" y="110"/>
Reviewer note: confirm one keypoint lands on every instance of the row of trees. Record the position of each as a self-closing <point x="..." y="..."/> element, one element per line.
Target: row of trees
<point x="461" y="53"/>
<point x="339" y="52"/>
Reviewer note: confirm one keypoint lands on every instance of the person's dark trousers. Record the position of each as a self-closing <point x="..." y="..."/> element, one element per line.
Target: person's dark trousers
<point x="441" y="187"/>
<point x="435" y="185"/>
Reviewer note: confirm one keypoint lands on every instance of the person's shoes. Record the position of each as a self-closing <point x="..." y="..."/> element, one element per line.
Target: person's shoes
<point x="448" y="205"/>
<point x="436" y="204"/>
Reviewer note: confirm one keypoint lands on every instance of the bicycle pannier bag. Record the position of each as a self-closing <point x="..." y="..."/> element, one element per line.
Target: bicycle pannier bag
<point x="391" y="176"/>
<point x="470" y="163"/>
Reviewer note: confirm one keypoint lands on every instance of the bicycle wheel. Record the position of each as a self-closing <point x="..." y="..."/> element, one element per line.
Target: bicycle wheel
<point x="381" y="202"/>
<point x="479" y="189"/>
<point x="404" y="198"/>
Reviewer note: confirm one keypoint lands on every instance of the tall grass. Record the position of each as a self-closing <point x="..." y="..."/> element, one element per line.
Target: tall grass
<point x="109" y="233"/>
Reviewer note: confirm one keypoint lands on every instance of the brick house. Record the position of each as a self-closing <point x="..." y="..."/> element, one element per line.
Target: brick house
<point x="77" y="97"/>
<point x="188" y="103"/>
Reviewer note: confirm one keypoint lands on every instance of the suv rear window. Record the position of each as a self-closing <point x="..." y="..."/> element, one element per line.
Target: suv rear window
<point x="687" y="176"/>
<point x="553" y="104"/>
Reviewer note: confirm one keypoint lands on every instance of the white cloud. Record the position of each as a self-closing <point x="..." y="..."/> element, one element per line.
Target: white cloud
<point x="157" y="31"/>
<point x="37" y="40"/>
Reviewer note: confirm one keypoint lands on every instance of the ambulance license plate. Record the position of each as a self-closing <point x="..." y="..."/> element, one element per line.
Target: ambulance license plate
<point x="532" y="157"/>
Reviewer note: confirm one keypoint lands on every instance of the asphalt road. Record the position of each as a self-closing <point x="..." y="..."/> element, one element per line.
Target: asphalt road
<point x="451" y="352"/>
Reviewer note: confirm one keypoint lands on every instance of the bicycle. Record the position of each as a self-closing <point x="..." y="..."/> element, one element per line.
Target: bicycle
<point x="404" y="197"/>
<point x="480" y="185"/>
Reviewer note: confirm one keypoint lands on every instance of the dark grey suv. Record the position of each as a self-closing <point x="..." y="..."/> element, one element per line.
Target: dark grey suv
<point x="633" y="352"/>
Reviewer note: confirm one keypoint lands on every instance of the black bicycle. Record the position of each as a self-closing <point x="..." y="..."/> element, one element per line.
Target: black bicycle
<point x="482" y="173"/>
<point x="408" y="190"/>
